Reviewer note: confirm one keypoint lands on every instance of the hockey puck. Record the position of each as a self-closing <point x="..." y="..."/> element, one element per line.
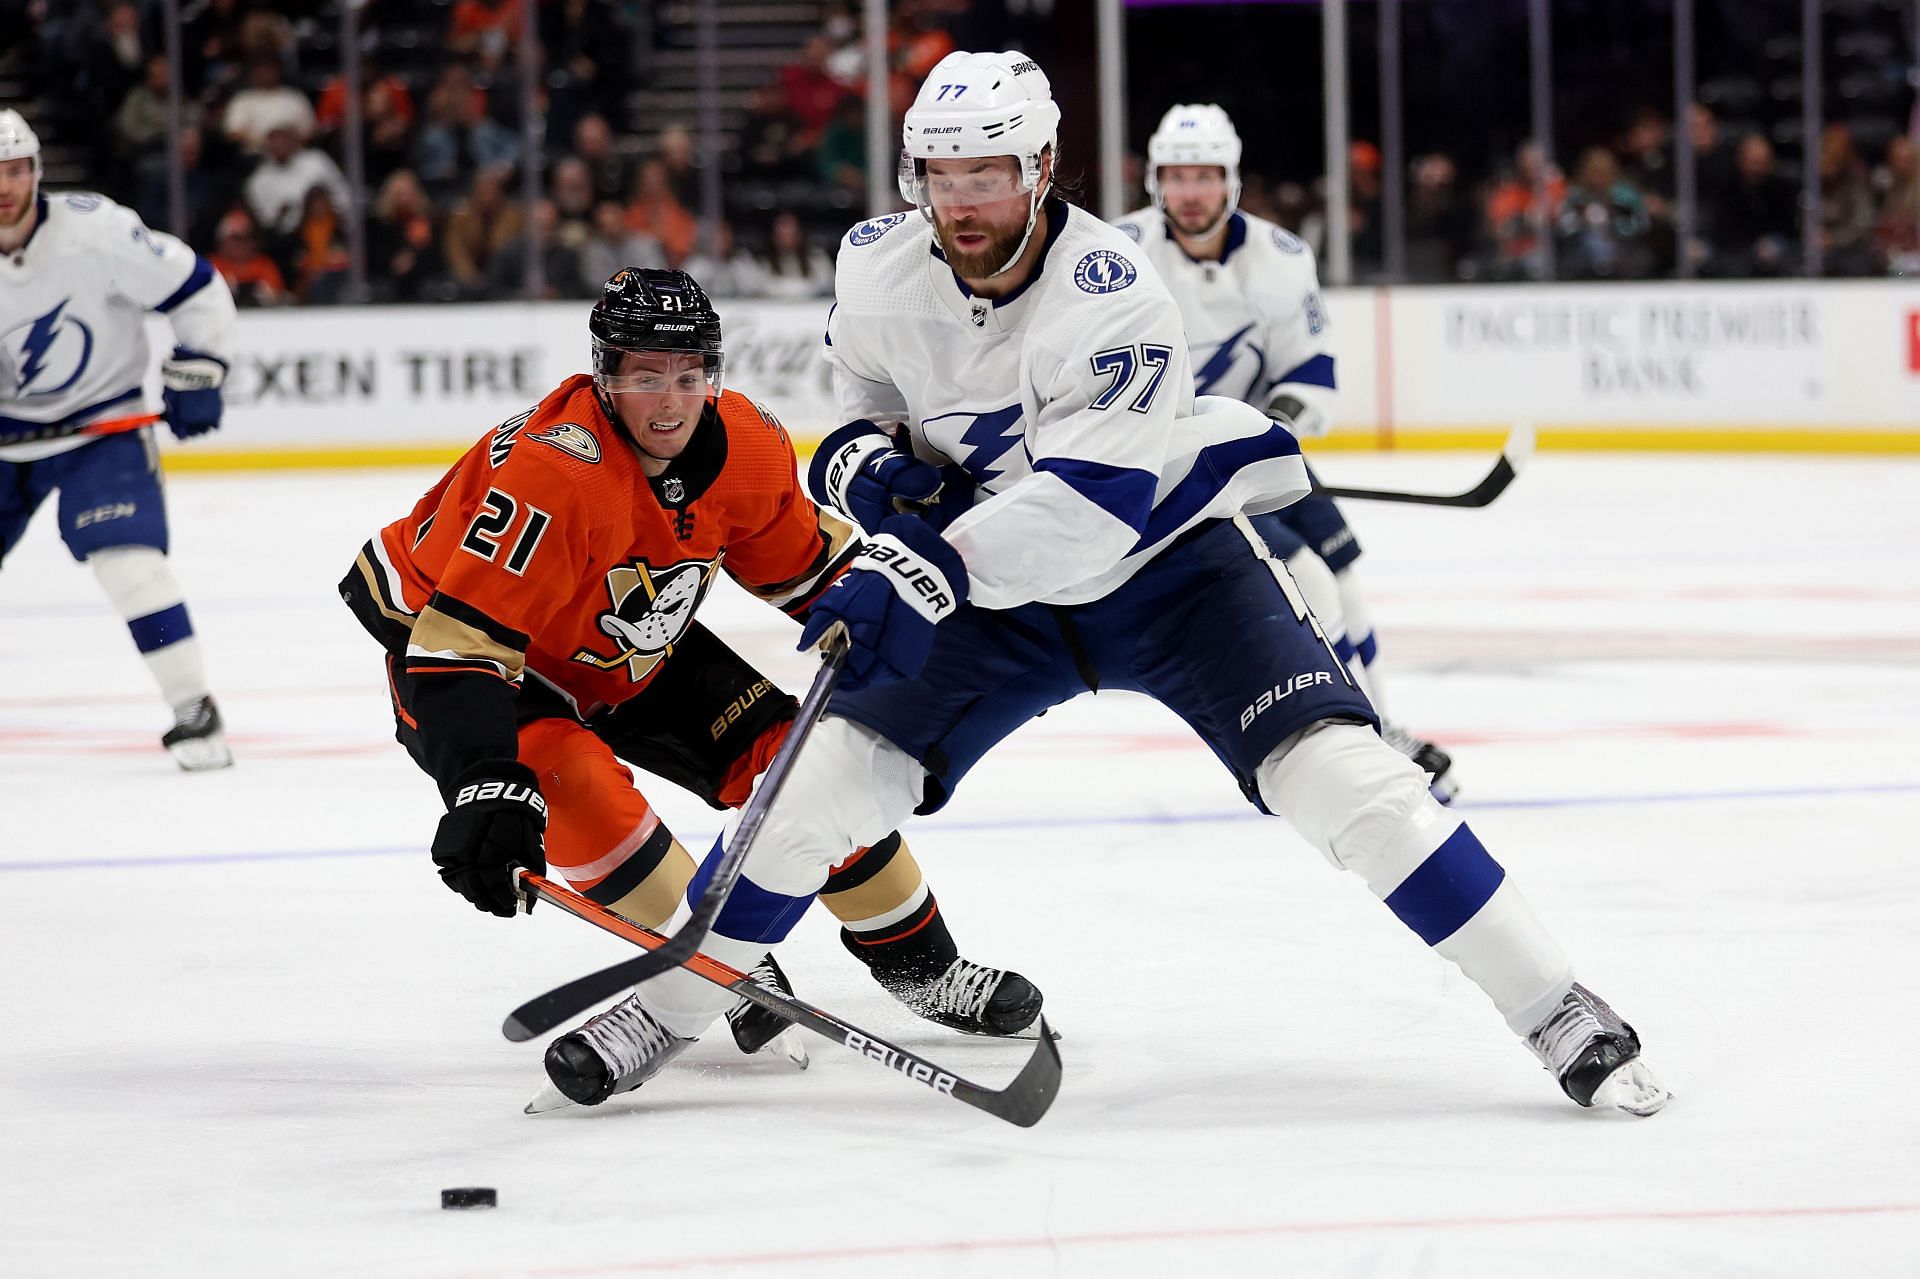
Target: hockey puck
<point x="469" y="1197"/>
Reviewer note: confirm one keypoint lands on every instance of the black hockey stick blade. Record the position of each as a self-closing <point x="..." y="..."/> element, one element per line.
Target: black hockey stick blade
<point x="1023" y="1102"/>
<point x="1513" y="458"/>
<point x="686" y="940"/>
<point x="543" y="1012"/>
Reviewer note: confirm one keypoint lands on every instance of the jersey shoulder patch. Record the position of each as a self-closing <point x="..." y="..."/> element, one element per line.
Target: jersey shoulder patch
<point x="1105" y="271"/>
<point x="1129" y="229"/>
<point x="1287" y="242"/>
<point x="570" y="438"/>
<point x="83" y="201"/>
<point x="872" y="229"/>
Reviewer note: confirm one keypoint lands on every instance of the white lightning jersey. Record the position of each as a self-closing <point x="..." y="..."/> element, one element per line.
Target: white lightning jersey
<point x="73" y="301"/>
<point x="1256" y="323"/>
<point x="1069" y="403"/>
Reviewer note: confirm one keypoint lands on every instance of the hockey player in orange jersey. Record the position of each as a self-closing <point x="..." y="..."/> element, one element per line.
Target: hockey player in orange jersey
<point x="537" y="608"/>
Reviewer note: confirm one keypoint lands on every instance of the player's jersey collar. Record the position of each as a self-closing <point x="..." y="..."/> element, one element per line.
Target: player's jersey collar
<point x="1236" y="236"/>
<point x="691" y="474"/>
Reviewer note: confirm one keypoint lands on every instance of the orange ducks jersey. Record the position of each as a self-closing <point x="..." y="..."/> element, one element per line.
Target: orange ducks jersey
<point x="547" y="549"/>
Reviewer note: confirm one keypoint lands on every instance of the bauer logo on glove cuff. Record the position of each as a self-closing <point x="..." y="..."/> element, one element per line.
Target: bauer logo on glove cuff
<point x="512" y="792"/>
<point x="918" y="582"/>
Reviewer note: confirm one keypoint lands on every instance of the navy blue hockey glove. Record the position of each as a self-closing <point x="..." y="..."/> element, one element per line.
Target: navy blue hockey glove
<point x="860" y="470"/>
<point x="495" y="823"/>
<point x="903" y="583"/>
<point x="190" y="384"/>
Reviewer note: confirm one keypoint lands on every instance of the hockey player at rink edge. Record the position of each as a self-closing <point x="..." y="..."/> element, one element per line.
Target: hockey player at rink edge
<point x="78" y="273"/>
<point x="1258" y="330"/>
<point x="1093" y="525"/>
<point x="537" y="611"/>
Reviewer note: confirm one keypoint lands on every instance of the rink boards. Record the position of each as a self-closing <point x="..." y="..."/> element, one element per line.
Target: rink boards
<point x="1791" y="366"/>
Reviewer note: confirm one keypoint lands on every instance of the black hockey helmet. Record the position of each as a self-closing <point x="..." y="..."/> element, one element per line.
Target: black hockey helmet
<point x="646" y="309"/>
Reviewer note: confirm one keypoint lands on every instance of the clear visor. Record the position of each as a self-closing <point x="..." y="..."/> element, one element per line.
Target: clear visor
<point x="962" y="183"/>
<point x="640" y="371"/>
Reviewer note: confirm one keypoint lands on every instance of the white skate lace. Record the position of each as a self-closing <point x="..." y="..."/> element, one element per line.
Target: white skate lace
<point x="963" y="990"/>
<point x="1581" y="1018"/>
<point x="627" y="1037"/>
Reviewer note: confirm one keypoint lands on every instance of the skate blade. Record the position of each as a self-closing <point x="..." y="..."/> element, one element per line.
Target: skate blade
<point x="1029" y="1032"/>
<point x="548" y="1099"/>
<point x="792" y="1047"/>
<point x="202" y="754"/>
<point x="1632" y="1088"/>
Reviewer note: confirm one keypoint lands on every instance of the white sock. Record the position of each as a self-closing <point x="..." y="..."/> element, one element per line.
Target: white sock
<point x="140" y="583"/>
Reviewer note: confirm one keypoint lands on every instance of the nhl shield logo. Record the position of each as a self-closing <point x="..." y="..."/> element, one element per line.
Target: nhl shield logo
<point x="1104" y="271"/>
<point x="673" y="490"/>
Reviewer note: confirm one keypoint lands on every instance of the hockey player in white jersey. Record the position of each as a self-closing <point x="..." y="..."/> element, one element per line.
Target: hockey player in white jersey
<point x="1258" y="329"/>
<point x="1093" y="526"/>
<point x="78" y="273"/>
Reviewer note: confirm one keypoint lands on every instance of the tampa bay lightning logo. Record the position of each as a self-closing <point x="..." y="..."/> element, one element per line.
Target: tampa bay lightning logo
<point x="873" y="228"/>
<point x="1104" y="271"/>
<point x="48" y="353"/>
<point x="1287" y="242"/>
<point x="1130" y="229"/>
<point x="987" y="438"/>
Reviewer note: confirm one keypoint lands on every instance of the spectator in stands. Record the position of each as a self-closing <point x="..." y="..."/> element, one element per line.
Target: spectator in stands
<point x="611" y="246"/>
<point x="479" y="227"/>
<point x="1847" y="213"/>
<point x="560" y="265"/>
<point x="142" y="120"/>
<point x="251" y="274"/>
<point x="654" y="211"/>
<point x="277" y="190"/>
<point x="1646" y="160"/>
<point x="264" y="105"/>
<point x="320" y="256"/>
<point x="1363" y="209"/>
<point x="110" y="62"/>
<point x="1513" y="217"/>
<point x="387" y="129"/>
<point x="842" y="154"/>
<point x="207" y="192"/>
<point x="674" y="146"/>
<point x="792" y="266"/>
<point x="479" y="25"/>
<point x="810" y="91"/>
<point x="330" y="112"/>
<point x="572" y="188"/>
<point x="1897" y="182"/>
<point x="588" y="48"/>
<point x="403" y="261"/>
<point x="1439" y="220"/>
<point x="1603" y="225"/>
<point x="1753" y="220"/>
<point x="211" y="62"/>
<point x="771" y="149"/>
<point x="593" y="144"/>
<point x="729" y="271"/>
<point x="459" y="139"/>
<point x="1712" y="148"/>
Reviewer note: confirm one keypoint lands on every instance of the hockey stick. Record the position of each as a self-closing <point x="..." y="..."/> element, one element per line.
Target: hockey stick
<point x="1513" y="456"/>
<point x="61" y="431"/>
<point x="686" y="940"/>
<point x="543" y="1012"/>
<point x="1021" y="1102"/>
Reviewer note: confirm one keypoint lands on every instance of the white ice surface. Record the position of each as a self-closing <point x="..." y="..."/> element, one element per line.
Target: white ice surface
<point x="245" y="1032"/>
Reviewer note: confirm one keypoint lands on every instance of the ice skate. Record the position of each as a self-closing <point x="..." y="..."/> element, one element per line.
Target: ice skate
<point x="754" y="1027"/>
<point x="614" y="1052"/>
<point x="971" y="997"/>
<point x="1437" y="764"/>
<point x="1596" y="1056"/>
<point x="198" y="742"/>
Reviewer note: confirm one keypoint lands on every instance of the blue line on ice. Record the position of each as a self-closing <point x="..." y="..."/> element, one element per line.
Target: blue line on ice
<point x="701" y="839"/>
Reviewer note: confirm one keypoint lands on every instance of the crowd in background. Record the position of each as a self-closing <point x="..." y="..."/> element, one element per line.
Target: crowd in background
<point x="445" y="154"/>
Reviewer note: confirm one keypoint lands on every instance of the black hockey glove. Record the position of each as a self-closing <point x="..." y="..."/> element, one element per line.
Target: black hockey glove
<point x="494" y="824"/>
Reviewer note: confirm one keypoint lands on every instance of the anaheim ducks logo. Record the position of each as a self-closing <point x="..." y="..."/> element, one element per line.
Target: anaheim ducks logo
<point x="652" y="609"/>
<point x="572" y="439"/>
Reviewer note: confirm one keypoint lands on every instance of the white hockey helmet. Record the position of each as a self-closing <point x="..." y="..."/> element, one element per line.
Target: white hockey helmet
<point x="1198" y="134"/>
<point x="18" y="141"/>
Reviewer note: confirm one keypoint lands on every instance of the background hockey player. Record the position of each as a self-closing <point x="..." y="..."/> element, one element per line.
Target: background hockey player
<point x="78" y="274"/>
<point x="537" y="607"/>
<point x="1116" y="537"/>
<point x="1258" y="330"/>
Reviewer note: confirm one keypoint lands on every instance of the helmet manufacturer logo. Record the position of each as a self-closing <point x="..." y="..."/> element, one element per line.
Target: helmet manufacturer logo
<point x="1104" y="271"/>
